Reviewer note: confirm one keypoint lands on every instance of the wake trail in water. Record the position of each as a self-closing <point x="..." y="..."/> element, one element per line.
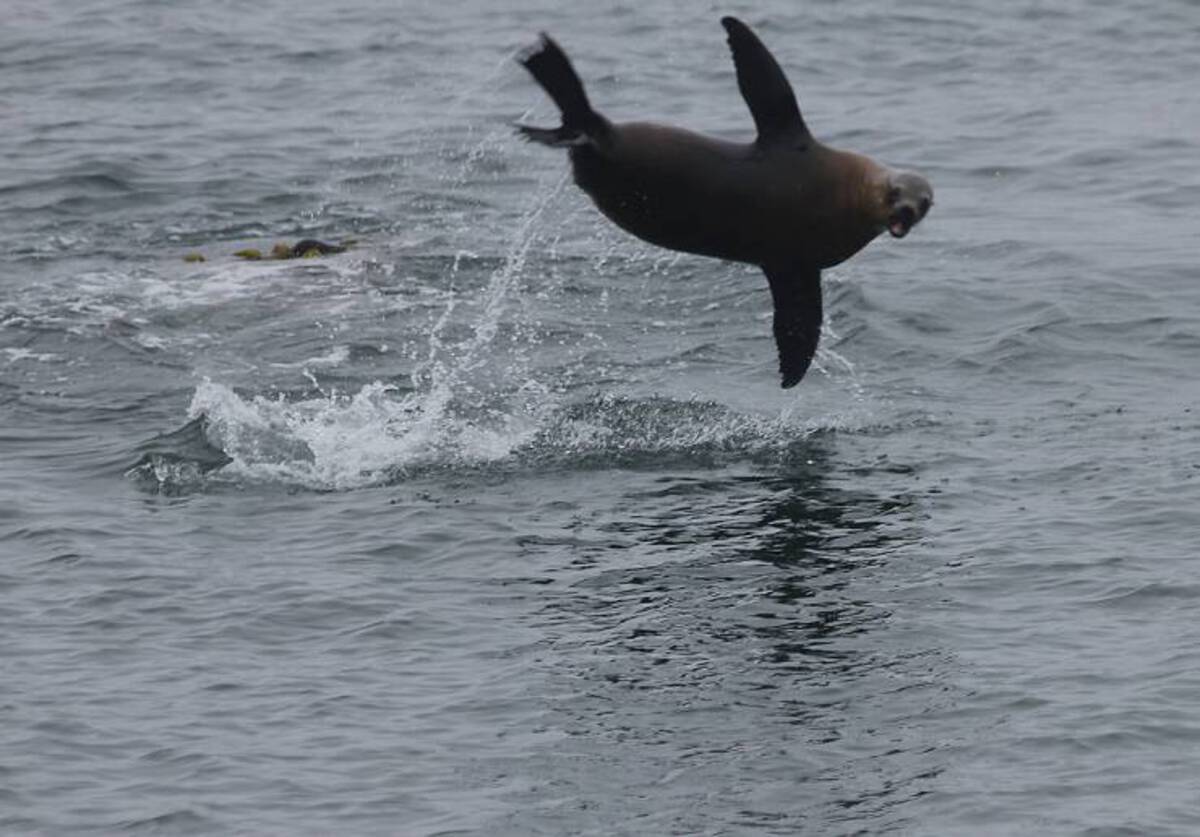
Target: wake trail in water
<point x="379" y="433"/>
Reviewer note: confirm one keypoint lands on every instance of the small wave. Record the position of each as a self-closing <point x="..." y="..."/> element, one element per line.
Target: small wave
<point x="1148" y="595"/>
<point x="178" y="460"/>
<point x="1170" y="196"/>
<point x="334" y="357"/>
<point x="147" y="310"/>
<point x="17" y="354"/>
<point x="179" y="821"/>
<point x="83" y="183"/>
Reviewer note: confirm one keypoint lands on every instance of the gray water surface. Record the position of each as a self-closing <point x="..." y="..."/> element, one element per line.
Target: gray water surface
<point x="499" y="523"/>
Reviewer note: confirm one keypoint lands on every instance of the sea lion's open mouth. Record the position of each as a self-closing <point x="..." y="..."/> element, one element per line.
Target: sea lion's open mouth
<point x="901" y="221"/>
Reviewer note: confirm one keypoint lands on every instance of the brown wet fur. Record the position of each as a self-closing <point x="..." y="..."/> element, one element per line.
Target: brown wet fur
<point x="686" y="191"/>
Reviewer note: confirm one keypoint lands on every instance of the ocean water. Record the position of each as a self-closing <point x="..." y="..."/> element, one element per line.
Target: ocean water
<point x="499" y="523"/>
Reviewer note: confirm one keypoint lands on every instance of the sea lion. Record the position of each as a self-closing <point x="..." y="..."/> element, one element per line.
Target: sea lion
<point x="785" y="201"/>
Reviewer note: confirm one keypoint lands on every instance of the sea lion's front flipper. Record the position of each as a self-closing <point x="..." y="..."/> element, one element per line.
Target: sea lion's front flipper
<point x="796" y="292"/>
<point x="765" y="89"/>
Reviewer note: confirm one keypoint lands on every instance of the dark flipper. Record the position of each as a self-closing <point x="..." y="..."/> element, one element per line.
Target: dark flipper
<point x="551" y="68"/>
<point x="796" y="291"/>
<point x="765" y="89"/>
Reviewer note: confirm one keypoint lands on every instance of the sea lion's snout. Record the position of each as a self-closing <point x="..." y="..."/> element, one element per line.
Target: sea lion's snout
<point x="909" y="198"/>
<point x="901" y="221"/>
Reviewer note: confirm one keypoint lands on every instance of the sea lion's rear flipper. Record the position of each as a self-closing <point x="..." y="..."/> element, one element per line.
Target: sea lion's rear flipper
<point x="765" y="89"/>
<point x="796" y="292"/>
<point x="551" y="68"/>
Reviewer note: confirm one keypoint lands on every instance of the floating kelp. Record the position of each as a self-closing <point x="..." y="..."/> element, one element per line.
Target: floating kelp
<point x="306" y="248"/>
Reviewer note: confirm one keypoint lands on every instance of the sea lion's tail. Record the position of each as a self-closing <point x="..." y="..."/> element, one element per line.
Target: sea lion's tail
<point x="551" y="68"/>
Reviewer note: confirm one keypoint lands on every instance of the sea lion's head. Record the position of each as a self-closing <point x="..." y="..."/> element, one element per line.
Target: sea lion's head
<point x="907" y="199"/>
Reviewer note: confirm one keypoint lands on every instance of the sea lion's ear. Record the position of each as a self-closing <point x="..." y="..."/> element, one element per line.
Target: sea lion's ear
<point x="765" y="89"/>
<point x="796" y="292"/>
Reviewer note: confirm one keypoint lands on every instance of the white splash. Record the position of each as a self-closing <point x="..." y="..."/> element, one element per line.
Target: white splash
<point x="340" y="441"/>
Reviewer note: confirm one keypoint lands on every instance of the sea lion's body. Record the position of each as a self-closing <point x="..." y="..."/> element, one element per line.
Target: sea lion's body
<point x="785" y="201"/>
<point x="690" y="192"/>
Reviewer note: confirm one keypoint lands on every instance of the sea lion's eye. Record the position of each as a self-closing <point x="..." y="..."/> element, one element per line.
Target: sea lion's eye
<point x="893" y="195"/>
<point x="924" y="206"/>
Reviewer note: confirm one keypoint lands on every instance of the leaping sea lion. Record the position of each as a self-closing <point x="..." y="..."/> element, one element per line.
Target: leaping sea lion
<point x="784" y="202"/>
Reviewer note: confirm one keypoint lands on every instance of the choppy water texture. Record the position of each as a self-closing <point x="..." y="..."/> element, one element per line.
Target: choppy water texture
<point x="500" y="524"/>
